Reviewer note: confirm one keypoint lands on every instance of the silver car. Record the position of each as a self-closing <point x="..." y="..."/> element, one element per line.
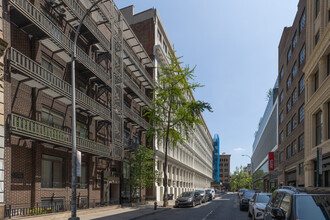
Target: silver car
<point x="258" y="204"/>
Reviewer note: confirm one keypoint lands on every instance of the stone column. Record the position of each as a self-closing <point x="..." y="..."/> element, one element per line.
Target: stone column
<point x="309" y="173"/>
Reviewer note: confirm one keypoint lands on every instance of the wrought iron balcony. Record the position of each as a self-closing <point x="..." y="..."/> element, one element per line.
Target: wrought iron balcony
<point x="78" y="11"/>
<point x="58" y="37"/>
<point x="25" y="127"/>
<point x="130" y="53"/>
<point x="136" y="118"/>
<point x="58" y="87"/>
<point x="130" y="145"/>
<point x="137" y="90"/>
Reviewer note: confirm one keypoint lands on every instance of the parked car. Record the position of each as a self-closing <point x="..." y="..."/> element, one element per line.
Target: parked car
<point x="258" y="204"/>
<point x="241" y="192"/>
<point x="244" y="202"/>
<point x="203" y="195"/>
<point x="299" y="203"/>
<point x="209" y="195"/>
<point x="188" y="199"/>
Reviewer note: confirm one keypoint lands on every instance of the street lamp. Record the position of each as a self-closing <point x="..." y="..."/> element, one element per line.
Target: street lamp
<point x="74" y="151"/>
<point x="245" y="155"/>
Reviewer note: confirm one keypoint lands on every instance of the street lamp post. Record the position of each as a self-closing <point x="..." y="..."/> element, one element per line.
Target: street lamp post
<point x="74" y="151"/>
<point x="245" y="155"/>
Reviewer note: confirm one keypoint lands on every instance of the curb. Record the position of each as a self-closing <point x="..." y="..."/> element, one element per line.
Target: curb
<point x="148" y="214"/>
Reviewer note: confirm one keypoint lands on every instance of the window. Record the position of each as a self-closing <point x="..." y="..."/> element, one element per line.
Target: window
<point x="294" y="97"/>
<point x="328" y="120"/>
<point x="316" y="81"/>
<point x="317" y="37"/>
<point x="288" y="128"/>
<point x="281" y="117"/>
<point x="302" y="22"/>
<point x="81" y="129"/>
<point x="51" y="172"/>
<point x="221" y="170"/>
<point x="318" y="123"/>
<point x="52" y="66"/>
<point x="51" y="118"/>
<point x="317" y="7"/>
<point x="288" y="83"/>
<point x="281" y="97"/>
<point x="281" y="156"/>
<point x="288" y="152"/>
<point x="301" y="168"/>
<point x="301" y="113"/>
<point x="294" y="40"/>
<point x="302" y="55"/>
<point x="289" y="54"/>
<point x="294" y="122"/>
<point x="165" y="47"/>
<point x="301" y="85"/>
<point x="288" y="105"/>
<point x="226" y="164"/>
<point x="281" y="137"/>
<point x="328" y="64"/>
<point x="294" y="147"/>
<point x="294" y="70"/>
<point x="159" y="35"/>
<point x="301" y="142"/>
<point x="82" y="181"/>
<point x="281" y="73"/>
<point x="226" y="170"/>
<point x="221" y="175"/>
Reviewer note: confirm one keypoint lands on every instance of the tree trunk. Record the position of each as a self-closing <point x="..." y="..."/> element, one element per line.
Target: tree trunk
<point x="165" y="165"/>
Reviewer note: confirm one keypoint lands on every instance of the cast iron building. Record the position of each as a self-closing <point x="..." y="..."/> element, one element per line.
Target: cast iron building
<point x="189" y="164"/>
<point x="291" y="60"/>
<point x="113" y="84"/>
<point x="317" y="71"/>
<point x="266" y="141"/>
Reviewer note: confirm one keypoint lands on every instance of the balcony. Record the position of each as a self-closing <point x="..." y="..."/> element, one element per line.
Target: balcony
<point x="141" y="97"/>
<point x="27" y="12"/>
<point x="129" y="113"/>
<point x="53" y="85"/>
<point x="77" y="11"/>
<point x="131" y="60"/>
<point x="28" y="128"/>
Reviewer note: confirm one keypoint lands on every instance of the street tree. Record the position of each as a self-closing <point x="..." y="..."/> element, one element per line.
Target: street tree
<point x="175" y="112"/>
<point x="142" y="172"/>
<point x="240" y="179"/>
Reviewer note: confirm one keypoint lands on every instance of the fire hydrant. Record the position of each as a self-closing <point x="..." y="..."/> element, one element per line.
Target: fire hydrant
<point x="155" y="206"/>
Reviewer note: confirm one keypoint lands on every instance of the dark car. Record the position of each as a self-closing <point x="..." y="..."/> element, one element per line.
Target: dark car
<point x="241" y="192"/>
<point x="203" y="195"/>
<point x="299" y="203"/>
<point x="188" y="199"/>
<point x="209" y="195"/>
<point x="244" y="202"/>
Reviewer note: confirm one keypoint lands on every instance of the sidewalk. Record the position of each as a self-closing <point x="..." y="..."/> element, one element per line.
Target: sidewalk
<point x="103" y="213"/>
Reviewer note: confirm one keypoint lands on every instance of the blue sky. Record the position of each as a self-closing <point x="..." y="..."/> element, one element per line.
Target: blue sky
<point x="234" y="45"/>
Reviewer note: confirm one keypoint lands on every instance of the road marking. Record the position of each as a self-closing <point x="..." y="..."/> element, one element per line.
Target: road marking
<point x="207" y="215"/>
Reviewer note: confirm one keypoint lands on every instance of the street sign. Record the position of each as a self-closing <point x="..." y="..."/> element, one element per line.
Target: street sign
<point x="78" y="163"/>
<point x="271" y="161"/>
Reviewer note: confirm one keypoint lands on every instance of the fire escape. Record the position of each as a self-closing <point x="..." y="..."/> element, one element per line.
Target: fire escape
<point x="112" y="39"/>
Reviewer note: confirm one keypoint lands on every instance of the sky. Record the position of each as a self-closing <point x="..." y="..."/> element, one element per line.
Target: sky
<point x="234" y="45"/>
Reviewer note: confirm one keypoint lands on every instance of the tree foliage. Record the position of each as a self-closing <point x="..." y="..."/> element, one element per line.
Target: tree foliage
<point x="240" y="179"/>
<point x="175" y="112"/>
<point x="142" y="170"/>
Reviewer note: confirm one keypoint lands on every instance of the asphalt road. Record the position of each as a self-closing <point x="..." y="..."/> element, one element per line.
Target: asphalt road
<point x="225" y="207"/>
